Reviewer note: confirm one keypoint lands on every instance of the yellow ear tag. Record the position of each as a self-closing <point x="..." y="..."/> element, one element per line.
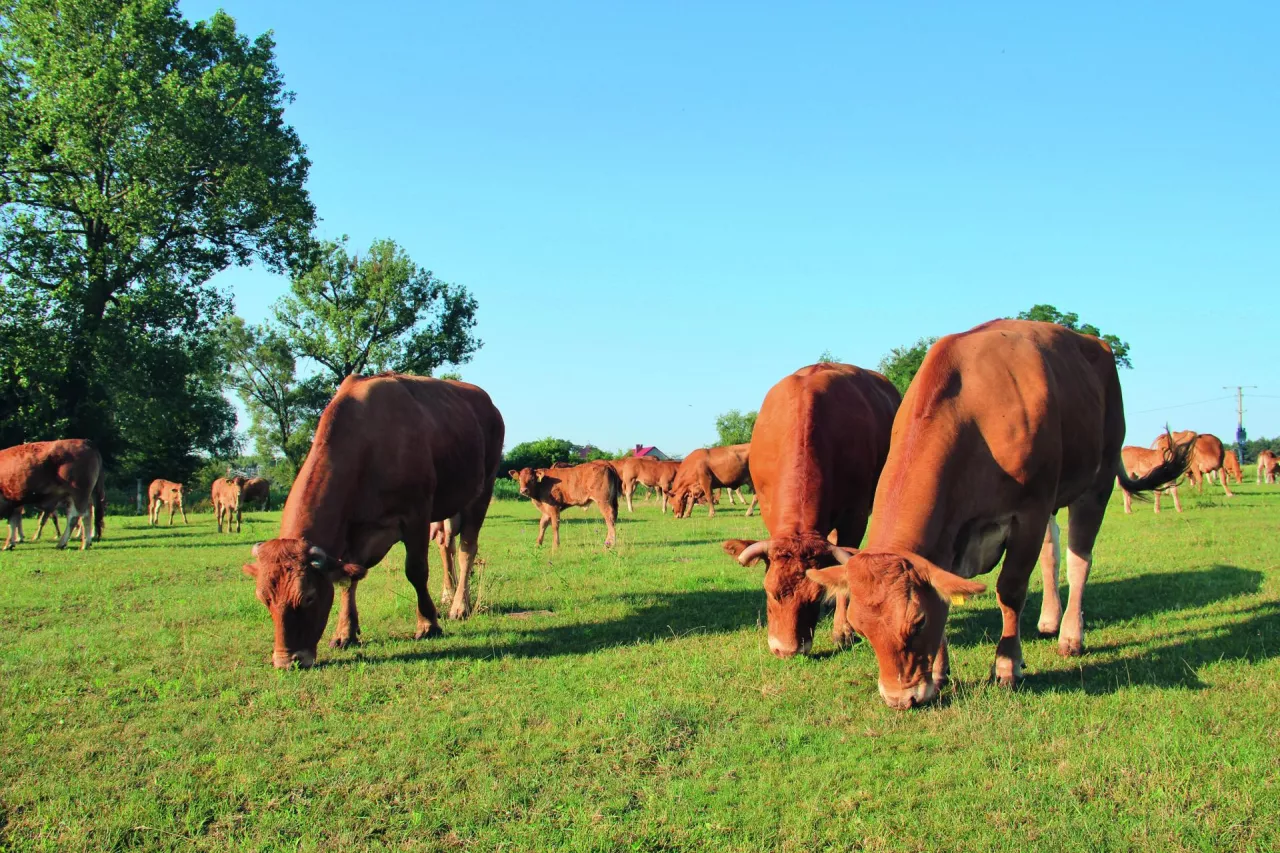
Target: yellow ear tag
<point x="958" y="599"/>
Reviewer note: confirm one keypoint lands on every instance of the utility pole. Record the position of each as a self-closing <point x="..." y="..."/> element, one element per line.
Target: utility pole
<point x="1240" y="433"/>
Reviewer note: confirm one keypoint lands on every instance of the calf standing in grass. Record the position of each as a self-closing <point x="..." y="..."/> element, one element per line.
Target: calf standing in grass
<point x="391" y="454"/>
<point x="707" y="469"/>
<point x="47" y="474"/>
<point x="257" y="491"/>
<point x="226" y="493"/>
<point x="162" y="492"/>
<point x="553" y="489"/>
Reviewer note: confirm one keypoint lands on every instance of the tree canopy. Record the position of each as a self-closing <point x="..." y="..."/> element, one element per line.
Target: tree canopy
<point x="379" y="312"/>
<point x="901" y="364"/>
<point x="1050" y="314"/>
<point x="734" y="427"/>
<point x="544" y="452"/>
<point x="139" y="155"/>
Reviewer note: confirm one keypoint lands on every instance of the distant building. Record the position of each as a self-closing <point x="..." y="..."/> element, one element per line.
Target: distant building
<point x="650" y="452"/>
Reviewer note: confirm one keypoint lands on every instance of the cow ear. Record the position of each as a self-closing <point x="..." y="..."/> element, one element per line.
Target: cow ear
<point x="953" y="586"/>
<point x="348" y="572"/>
<point x="250" y="569"/>
<point x="515" y="475"/>
<point x="734" y="547"/>
<point x="832" y="578"/>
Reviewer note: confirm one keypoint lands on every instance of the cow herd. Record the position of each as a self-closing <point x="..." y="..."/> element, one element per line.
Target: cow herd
<point x="1002" y="426"/>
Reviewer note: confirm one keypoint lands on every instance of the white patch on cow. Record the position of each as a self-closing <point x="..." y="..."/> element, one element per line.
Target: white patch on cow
<point x="924" y="691"/>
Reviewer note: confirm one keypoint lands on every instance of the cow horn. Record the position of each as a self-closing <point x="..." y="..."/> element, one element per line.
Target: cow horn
<point x="317" y="557"/>
<point x="254" y="550"/>
<point x="753" y="552"/>
<point x="842" y="555"/>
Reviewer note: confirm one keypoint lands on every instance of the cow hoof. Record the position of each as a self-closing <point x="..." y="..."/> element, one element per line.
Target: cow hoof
<point x="344" y="642"/>
<point x="1070" y="648"/>
<point x="459" y="612"/>
<point x="429" y="633"/>
<point x="844" y="641"/>
<point x="1047" y="633"/>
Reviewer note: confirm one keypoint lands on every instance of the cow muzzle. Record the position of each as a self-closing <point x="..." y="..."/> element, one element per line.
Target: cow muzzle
<point x="912" y="697"/>
<point x="287" y="660"/>
<point x="789" y="650"/>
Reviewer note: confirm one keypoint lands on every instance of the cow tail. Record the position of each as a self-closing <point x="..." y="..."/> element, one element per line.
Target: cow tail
<point x="615" y="487"/>
<point x="1176" y="459"/>
<point x="99" y="503"/>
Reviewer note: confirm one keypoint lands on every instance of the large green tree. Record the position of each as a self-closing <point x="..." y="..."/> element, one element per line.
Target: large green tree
<point x="901" y="364"/>
<point x="139" y="155"/>
<point x="1050" y="314"/>
<point x="283" y="408"/>
<point x="734" y="427"/>
<point x="379" y="312"/>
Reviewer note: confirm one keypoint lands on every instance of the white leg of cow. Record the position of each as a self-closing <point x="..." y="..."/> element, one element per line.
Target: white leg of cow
<point x="1177" y="503"/>
<point x="1050" y="557"/>
<point x="461" y="607"/>
<point x="448" y="551"/>
<point x="1082" y="529"/>
<point x="86" y="527"/>
<point x="182" y="510"/>
<point x="15" y="531"/>
<point x="73" y="512"/>
<point x="1223" y="477"/>
<point x="628" y="491"/>
<point x="543" y="521"/>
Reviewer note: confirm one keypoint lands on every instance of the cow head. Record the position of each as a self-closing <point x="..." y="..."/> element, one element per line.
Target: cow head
<point x="295" y="581"/>
<point x="793" y="602"/>
<point x="527" y="478"/>
<point x="899" y="602"/>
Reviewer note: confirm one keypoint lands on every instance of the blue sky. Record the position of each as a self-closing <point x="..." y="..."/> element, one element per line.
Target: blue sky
<point x="663" y="208"/>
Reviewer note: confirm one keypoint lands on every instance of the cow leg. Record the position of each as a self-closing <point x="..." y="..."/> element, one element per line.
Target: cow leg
<point x="609" y="509"/>
<point x="461" y="607"/>
<point x="44" y="519"/>
<point x="73" y="512"/>
<point x="1222" y="475"/>
<point x="754" y="499"/>
<point x="627" y="490"/>
<point x="555" y="527"/>
<point x="543" y="521"/>
<point x="239" y="518"/>
<point x="15" y="531"/>
<point x="448" y="572"/>
<point x="1021" y="554"/>
<point x="183" y="510"/>
<point x="86" y="526"/>
<point x="416" y="542"/>
<point x="662" y="493"/>
<point x="1128" y="500"/>
<point x="848" y="534"/>
<point x="152" y="511"/>
<point x="711" y="503"/>
<point x="1050" y="557"/>
<point x="1082" y="529"/>
<point x="171" y="510"/>
<point x="1173" y="490"/>
<point x="347" y="633"/>
<point x="1157" y="497"/>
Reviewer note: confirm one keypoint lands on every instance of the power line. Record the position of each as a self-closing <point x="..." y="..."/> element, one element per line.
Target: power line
<point x="1183" y="405"/>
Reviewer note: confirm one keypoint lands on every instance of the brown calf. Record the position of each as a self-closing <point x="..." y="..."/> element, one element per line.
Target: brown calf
<point x="162" y="492"/>
<point x="652" y="473"/>
<point x="553" y="489"/>
<point x="226" y="494"/>
<point x="1207" y="456"/>
<point x="706" y="469"/>
<point x="1139" y="462"/>
<point x="1268" y="462"/>
<point x="819" y="444"/>
<point x="47" y="474"/>
<point x="257" y="490"/>
<point x="391" y="454"/>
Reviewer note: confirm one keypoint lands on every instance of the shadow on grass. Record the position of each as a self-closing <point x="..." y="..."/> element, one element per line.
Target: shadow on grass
<point x="1168" y="659"/>
<point x="664" y="616"/>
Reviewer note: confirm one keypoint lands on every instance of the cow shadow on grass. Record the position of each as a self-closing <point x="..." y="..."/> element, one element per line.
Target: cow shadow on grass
<point x="1173" y="654"/>
<point x="659" y="616"/>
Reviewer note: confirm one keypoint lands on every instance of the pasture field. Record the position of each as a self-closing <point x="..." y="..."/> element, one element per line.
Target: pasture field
<point x="627" y="700"/>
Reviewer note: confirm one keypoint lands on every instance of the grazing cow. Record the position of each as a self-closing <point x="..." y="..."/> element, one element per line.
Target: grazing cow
<point x="1139" y="462"/>
<point x="819" y="443"/>
<point x="1231" y="465"/>
<point x="162" y="492"/>
<point x="1268" y="462"/>
<point x="48" y="474"/>
<point x="1002" y="425"/>
<point x="553" y="489"/>
<point x="648" y="472"/>
<point x="257" y="490"/>
<point x="391" y="454"/>
<point x="1206" y="457"/>
<point x="706" y="469"/>
<point x="226" y="494"/>
<point x="664" y="479"/>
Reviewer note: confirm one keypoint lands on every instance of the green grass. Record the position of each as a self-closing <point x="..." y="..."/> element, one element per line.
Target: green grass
<point x="138" y="709"/>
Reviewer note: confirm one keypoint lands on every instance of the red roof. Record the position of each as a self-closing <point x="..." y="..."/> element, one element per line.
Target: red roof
<point x="644" y="451"/>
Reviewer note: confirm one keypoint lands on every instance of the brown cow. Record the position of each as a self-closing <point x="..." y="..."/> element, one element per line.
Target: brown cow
<point x="1139" y="462"/>
<point x="257" y="489"/>
<point x="226" y="493"/>
<point x="819" y="443"/>
<point x="651" y="473"/>
<point x="1231" y="465"/>
<point x="162" y="492"/>
<point x="47" y="474"/>
<point x="553" y="489"/>
<point x="391" y="454"/>
<point x="1002" y="425"/>
<point x="1268" y="462"/>
<point x="1206" y="458"/>
<point x="46" y="513"/>
<point x="706" y="469"/>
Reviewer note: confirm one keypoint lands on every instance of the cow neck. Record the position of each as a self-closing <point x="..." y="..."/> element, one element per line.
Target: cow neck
<point x="911" y="502"/>
<point x="317" y="508"/>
